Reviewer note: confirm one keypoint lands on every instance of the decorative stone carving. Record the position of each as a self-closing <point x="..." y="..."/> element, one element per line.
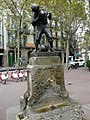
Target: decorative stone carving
<point x="46" y="96"/>
<point x="44" y="78"/>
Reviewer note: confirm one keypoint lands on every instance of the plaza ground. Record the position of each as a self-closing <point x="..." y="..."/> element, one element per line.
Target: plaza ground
<point x="79" y="90"/>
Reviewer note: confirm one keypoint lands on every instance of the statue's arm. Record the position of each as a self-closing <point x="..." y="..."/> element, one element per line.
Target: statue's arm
<point x="35" y="20"/>
<point x="49" y="16"/>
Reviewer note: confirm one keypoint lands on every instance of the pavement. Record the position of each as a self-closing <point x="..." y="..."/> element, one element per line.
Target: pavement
<point x="79" y="87"/>
<point x="10" y="96"/>
<point x="79" y="90"/>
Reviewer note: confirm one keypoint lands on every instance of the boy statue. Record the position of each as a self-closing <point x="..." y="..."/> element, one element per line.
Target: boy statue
<point x="40" y="23"/>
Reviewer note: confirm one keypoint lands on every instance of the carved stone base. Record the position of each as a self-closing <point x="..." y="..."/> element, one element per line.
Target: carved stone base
<point x="46" y="97"/>
<point x="42" y="54"/>
<point x="73" y="112"/>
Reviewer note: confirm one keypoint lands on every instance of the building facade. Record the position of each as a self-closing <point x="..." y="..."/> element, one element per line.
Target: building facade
<point x="12" y="46"/>
<point x="3" y="43"/>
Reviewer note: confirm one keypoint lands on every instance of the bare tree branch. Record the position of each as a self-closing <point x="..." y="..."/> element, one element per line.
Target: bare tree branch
<point x="16" y="7"/>
<point x="78" y="25"/>
<point x="23" y="4"/>
<point x="9" y="7"/>
<point x="21" y="7"/>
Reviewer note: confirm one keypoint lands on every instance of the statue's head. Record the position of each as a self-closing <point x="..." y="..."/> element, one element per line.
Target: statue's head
<point x="35" y="7"/>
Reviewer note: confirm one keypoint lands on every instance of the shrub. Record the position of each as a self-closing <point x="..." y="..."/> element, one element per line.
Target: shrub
<point x="88" y="64"/>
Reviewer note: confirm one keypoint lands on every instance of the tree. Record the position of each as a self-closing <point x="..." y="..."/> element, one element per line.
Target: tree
<point x="70" y="14"/>
<point x="86" y="42"/>
<point x="14" y="12"/>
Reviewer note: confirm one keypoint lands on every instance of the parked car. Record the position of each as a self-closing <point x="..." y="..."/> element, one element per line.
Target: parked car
<point x="79" y="62"/>
<point x="72" y="65"/>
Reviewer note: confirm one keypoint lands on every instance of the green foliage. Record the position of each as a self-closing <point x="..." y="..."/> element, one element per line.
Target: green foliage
<point x="12" y="44"/>
<point x="88" y="63"/>
<point x="86" y="41"/>
<point x="59" y="8"/>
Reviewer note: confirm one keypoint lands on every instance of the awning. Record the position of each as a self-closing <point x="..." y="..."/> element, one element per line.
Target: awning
<point x="30" y="45"/>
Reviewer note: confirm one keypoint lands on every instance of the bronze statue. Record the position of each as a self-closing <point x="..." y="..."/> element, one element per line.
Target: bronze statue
<point x="40" y="23"/>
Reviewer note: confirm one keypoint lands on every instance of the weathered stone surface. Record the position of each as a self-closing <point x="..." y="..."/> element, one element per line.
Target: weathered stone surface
<point x="41" y="54"/>
<point x="65" y="113"/>
<point x="46" y="97"/>
<point x="45" y="79"/>
<point x="50" y="60"/>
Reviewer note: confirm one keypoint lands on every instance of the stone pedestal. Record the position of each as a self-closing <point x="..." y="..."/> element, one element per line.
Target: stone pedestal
<point x="46" y="97"/>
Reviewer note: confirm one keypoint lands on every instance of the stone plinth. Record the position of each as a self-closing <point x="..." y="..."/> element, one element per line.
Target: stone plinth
<point x="46" y="97"/>
<point x="65" y="113"/>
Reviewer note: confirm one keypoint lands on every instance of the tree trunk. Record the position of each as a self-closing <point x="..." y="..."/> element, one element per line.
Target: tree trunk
<point x="67" y="49"/>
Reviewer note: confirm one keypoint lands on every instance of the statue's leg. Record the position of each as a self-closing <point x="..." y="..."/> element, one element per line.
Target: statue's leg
<point x="38" y="38"/>
<point x="36" y="46"/>
<point x="49" y="37"/>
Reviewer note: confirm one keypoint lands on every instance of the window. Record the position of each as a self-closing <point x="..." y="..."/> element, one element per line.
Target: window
<point x="81" y="60"/>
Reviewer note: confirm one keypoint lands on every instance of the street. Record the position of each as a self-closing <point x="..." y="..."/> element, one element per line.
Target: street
<point x="79" y="90"/>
